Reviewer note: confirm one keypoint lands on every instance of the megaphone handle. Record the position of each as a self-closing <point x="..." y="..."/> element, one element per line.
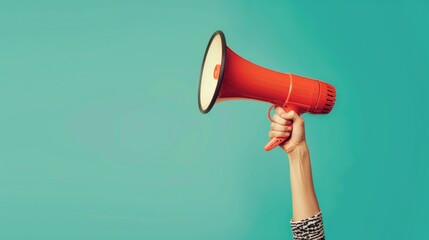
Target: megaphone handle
<point x="275" y="141"/>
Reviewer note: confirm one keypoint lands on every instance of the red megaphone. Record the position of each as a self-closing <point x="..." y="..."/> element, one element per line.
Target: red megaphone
<point x="227" y="76"/>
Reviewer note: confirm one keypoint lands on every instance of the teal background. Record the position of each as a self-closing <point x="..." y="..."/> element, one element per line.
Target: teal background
<point x="101" y="137"/>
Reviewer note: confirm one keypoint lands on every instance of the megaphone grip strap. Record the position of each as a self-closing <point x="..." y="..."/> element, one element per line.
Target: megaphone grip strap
<point x="269" y="112"/>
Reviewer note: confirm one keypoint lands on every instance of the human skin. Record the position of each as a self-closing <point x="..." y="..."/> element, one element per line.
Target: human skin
<point x="290" y="124"/>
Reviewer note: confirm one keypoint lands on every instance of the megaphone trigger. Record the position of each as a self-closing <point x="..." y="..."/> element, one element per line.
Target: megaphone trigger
<point x="274" y="142"/>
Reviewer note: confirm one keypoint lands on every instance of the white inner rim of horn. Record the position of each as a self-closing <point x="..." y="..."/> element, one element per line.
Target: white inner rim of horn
<point x="208" y="82"/>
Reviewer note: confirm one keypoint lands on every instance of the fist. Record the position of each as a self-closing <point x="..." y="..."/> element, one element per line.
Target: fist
<point x="289" y="125"/>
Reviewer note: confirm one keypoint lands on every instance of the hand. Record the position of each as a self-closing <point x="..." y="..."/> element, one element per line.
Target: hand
<point x="289" y="125"/>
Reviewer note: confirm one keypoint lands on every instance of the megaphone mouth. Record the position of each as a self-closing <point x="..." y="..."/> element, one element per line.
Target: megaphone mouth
<point x="212" y="71"/>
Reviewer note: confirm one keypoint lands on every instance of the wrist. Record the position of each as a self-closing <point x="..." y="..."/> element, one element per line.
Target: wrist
<point x="297" y="152"/>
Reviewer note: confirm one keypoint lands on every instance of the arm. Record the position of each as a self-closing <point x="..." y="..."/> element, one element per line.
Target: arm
<point x="306" y="211"/>
<point x="304" y="199"/>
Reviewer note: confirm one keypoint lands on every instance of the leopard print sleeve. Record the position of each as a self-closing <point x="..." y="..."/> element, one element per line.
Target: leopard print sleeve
<point x="310" y="228"/>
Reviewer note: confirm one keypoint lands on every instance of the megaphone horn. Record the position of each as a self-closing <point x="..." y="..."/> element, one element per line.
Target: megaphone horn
<point x="227" y="76"/>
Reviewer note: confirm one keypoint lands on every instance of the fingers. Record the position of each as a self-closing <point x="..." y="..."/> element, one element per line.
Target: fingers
<point x="282" y="128"/>
<point x="279" y="110"/>
<point x="282" y="114"/>
<point x="283" y="122"/>
<point x="274" y="133"/>
<point x="280" y="120"/>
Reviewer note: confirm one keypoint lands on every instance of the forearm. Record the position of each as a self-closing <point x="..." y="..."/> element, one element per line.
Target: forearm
<point x="304" y="201"/>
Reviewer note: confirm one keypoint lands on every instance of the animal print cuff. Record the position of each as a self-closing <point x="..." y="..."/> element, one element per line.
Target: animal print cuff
<point x="310" y="228"/>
